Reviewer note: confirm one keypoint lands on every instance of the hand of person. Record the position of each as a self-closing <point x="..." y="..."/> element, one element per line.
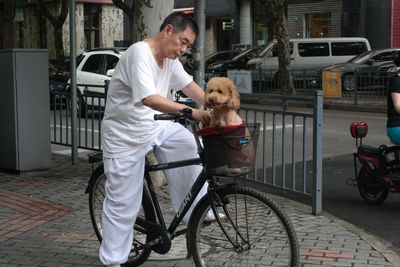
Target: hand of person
<point x="202" y="116"/>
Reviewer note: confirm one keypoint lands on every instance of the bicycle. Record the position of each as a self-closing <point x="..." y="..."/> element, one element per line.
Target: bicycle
<point x="249" y="228"/>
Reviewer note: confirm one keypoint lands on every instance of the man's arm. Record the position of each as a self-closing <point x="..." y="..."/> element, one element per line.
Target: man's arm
<point x="396" y="101"/>
<point x="163" y="104"/>
<point x="195" y="92"/>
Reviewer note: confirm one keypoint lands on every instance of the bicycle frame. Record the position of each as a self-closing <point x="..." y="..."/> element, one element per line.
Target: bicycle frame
<point x="188" y="200"/>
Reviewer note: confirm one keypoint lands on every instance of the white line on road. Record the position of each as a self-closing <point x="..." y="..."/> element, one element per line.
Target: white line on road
<point x="69" y="128"/>
<point x="269" y="128"/>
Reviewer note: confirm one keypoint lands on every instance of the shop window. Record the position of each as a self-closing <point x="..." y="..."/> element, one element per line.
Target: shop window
<point x="263" y="24"/>
<point x="348" y="48"/>
<point x="91" y="25"/>
<point x="318" y="25"/>
<point x="313" y="49"/>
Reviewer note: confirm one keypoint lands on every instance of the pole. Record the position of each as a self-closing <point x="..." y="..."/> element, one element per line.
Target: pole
<point x="72" y="67"/>
<point x="317" y="153"/>
<point x="198" y="55"/>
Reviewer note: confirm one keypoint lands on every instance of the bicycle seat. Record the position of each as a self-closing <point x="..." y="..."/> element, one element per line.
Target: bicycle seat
<point x="369" y="150"/>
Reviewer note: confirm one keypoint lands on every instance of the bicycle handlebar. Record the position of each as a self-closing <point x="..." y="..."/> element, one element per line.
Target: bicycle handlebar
<point x="185" y="113"/>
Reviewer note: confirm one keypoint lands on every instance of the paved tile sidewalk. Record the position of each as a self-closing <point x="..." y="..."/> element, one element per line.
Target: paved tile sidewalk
<point x="44" y="221"/>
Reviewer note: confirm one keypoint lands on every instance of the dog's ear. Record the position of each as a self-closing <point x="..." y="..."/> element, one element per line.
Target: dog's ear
<point x="235" y="97"/>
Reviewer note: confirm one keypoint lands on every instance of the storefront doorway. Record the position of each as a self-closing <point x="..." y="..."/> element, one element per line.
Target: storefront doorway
<point x="318" y="25"/>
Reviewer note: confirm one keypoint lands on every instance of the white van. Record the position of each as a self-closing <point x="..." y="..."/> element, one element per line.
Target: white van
<point x="312" y="53"/>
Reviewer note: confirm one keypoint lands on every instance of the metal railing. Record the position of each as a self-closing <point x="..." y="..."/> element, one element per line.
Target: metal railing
<point x="290" y="146"/>
<point x="368" y="86"/>
<point x="290" y="158"/>
<point x="90" y="107"/>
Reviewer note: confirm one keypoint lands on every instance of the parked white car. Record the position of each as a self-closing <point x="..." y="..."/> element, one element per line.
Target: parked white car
<point x="94" y="69"/>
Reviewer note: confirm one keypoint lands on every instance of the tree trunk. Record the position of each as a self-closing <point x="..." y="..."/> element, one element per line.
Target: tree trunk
<point x="285" y="80"/>
<point x="59" y="48"/>
<point x="56" y="15"/>
<point x="149" y="15"/>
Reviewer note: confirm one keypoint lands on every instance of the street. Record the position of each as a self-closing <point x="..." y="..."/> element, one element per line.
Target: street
<point x="342" y="200"/>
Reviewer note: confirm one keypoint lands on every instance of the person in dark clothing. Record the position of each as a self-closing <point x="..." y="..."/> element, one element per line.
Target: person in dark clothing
<point x="393" y="106"/>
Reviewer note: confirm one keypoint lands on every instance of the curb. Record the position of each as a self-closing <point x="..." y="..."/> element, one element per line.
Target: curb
<point x="382" y="246"/>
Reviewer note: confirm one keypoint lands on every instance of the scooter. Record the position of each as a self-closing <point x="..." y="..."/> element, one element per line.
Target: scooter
<point x="379" y="173"/>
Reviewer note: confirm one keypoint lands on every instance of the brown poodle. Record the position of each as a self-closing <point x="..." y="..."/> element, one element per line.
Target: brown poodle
<point x="224" y="100"/>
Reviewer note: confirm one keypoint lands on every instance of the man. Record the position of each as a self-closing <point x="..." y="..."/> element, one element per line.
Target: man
<point x="393" y="106"/>
<point x="138" y="90"/>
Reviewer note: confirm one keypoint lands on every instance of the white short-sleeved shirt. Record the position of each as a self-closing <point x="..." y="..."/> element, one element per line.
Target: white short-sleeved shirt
<point x="128" y="125"/>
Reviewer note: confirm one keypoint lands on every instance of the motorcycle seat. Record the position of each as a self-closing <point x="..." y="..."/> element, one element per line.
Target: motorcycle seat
<point x="369" y="150"/>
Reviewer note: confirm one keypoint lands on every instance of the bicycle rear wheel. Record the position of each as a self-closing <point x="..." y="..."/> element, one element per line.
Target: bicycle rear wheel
<point x="260" y="232"/>
<point x="96" y="197"/>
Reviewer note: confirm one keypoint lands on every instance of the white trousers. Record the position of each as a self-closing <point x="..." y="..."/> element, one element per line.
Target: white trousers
<point x="124" y="187"/>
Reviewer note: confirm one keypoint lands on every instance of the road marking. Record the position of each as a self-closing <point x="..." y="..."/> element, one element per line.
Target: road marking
<point x="269" y="128"/>
<point x="69" y="128"/>
<point x="68" y="151"/>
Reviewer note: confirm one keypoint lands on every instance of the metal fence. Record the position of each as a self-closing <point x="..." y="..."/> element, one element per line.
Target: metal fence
<point x="290" y="147"/>
<point x="291" y="142"/>
<point x="289" y="155"/>
<point x="90" y="107"/>
<point x="368" y="86"/>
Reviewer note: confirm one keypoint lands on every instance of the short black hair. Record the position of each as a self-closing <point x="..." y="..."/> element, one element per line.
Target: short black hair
<point x="180" y="21"/>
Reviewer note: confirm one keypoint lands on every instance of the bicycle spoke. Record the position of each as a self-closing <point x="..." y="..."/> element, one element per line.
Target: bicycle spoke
<point x="257" y="234"/>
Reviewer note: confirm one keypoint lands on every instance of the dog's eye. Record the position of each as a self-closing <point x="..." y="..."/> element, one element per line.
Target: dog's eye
<point x="210" y="91"/>
<point x="219" y="91"/>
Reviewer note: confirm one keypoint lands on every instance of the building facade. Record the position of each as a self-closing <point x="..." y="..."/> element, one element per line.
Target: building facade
<point x="229" y="23"/>
<point x="376" y="20"/>
<point x="346" y="18"/>
<point x="99" y="23"/>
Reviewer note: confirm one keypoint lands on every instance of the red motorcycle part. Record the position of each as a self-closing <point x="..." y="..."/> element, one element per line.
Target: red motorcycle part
<point x="371" y="163"/>
<point x="359" y="129"/>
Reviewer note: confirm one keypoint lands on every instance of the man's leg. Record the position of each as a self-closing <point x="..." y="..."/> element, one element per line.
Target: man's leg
<point x="177" y="143"/>
<point x="124" y="188"/>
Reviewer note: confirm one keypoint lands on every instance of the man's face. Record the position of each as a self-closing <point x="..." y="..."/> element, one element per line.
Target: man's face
<point x="179" y="42"/>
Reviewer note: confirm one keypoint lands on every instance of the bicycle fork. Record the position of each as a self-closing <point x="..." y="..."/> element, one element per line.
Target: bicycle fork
<point x="238" y="246"/>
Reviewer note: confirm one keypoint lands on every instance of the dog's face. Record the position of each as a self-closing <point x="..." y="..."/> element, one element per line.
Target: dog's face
<point x="221" y="93"/>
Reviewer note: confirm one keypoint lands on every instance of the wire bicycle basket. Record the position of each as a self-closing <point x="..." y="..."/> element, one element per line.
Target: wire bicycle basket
<point x="230" y="150"/>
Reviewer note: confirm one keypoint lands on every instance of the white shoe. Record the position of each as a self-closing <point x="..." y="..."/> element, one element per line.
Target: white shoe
<point x="210" y="217"/>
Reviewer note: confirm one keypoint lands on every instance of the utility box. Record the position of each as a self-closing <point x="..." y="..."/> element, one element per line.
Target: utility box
<point x="24" y="110"/>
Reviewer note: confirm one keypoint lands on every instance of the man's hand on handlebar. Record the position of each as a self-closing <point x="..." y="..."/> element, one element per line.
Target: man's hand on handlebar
<point x="202" y="116"/>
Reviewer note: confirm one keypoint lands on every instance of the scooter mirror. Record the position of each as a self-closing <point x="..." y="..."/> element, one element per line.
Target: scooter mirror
<point x="359" y="129"/>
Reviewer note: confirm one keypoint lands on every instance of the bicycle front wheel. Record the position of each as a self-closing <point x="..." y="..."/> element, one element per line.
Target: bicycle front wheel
<point x="97" y="194"/>
<point x="254" y="231"/>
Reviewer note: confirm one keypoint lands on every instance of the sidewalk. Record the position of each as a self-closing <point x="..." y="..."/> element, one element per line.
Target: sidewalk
<point x="44" y="221"/>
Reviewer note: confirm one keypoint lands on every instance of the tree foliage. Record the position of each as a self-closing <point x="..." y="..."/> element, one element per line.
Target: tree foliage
<point x="57" y="20"/>
<point x="277" y="10"/>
